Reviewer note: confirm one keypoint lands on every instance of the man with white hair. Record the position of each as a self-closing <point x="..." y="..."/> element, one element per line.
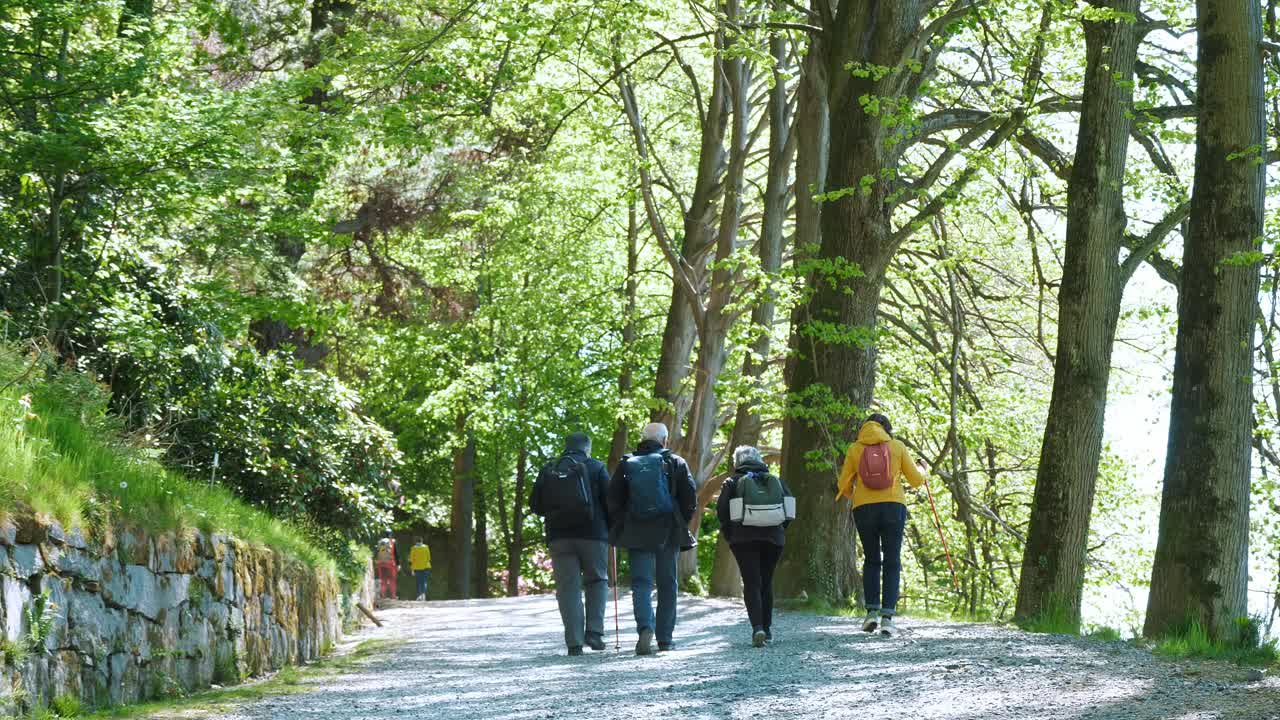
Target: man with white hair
<point x="651" y="500"/>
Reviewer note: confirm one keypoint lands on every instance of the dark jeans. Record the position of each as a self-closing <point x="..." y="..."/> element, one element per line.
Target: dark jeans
<point x="647" y="570"/>
<point x="756" y="561"/>
<point x="880" y="527"/>
<point x="422" y="576"/>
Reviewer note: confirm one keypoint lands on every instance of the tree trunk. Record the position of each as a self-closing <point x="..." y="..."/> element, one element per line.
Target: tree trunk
<point x="734" y="83"/>
<point x="813" y="136"/>
<point x="516" y="549"/>
<point x="462" y="513"/>
<point x="1200" y="572"/>
<point x="699" y="238"/>
<point x="481" y="542"/>
<point x="726" y="579"/>
<point x="620" y="443"/>
<point x="772" y="239"/>
<point x="678" y="336"/>
<point x="1088" y="307"/>
<point x="832" y="376"/>
<point x="269" y="333"/>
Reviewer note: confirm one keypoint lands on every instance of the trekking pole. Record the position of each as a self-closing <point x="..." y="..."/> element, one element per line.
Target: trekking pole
<point x="617" y="632"/>
<point x="955" y="581"/>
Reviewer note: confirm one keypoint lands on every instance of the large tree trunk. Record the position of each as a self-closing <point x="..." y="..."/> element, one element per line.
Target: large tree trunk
<point x="1200" y="572"/>
<point x="700" y="232"/>
<point x="678" y="336"/>
<point x="516" y="549"/>
<point x="462" y="513"/>
<point x="813" y="135"/>
<point x="748" y="423"/>
<point x="718" y="317"/>
<point x="480" y="552"/>
<point x="618" y="447"/>
<point x="832" y="376"/>
<point x="726" y="580"/>
<point x="1088" y="307"/>
<point x="690" y="259"/>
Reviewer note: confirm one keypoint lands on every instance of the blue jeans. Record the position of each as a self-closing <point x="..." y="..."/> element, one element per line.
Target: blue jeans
<point x="646" y="567"/>
<point x="880" y="527"/>
<point x="422" y="576"/>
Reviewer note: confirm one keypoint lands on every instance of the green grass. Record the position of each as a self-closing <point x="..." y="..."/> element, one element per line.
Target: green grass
<point x="66" y="706"/>
<point x="63" y="457"/>
<point x="1104" y="633"/>
<point x="289" y="681"/>
<point x="1054" y="619"/>
<point x="1247" y="648"/>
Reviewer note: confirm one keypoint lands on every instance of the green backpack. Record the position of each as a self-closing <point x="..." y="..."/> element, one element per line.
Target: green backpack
<point x="759" y="501"/>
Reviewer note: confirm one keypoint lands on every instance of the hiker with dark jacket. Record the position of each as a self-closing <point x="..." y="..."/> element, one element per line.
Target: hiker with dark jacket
<point x="756" y="545"/>
<point x="872" y="477"/>
<point x="571" y="494"/>
<point x="652" y="497"/>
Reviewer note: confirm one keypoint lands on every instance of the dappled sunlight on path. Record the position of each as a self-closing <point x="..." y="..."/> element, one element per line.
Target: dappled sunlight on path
<point x="504" y="659"/>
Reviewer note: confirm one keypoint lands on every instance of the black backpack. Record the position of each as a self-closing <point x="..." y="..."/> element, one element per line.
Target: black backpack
<point x="567" y="497"/>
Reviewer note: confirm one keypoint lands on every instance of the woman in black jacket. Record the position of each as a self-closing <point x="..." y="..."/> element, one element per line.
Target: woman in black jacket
<point x="756" y="548"/>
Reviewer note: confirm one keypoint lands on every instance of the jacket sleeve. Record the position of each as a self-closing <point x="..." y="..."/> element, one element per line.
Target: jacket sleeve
<point x="687" y="493"/>
<point x="617" y="494"/>
<point x="909" y="469"/>
<point x="722" y="507"/>
<point x="845" y="487"/>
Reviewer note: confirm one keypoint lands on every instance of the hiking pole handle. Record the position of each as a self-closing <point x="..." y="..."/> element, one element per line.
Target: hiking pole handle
<point x="937" y="521"/>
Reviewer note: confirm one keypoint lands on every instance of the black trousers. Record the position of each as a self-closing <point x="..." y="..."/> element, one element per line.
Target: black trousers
<point x="756" y="561"/>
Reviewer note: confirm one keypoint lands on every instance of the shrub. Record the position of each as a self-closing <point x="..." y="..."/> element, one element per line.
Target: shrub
<point x="66" y="706"/>
<point x="289" y="439"/>
<point x="62" y="455"/>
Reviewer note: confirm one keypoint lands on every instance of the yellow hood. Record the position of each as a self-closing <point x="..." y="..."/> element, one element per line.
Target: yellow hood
<point x="872" y="434"/>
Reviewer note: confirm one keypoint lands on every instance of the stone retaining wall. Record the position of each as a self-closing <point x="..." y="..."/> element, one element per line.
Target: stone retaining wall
<point x="136" y="617"/>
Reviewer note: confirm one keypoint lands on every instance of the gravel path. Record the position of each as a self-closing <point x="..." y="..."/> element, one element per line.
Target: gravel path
<point x="504" y="659"/>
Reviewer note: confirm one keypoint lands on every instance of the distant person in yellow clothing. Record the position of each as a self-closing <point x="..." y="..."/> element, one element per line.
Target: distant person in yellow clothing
<point x="420" y="562"/>
<point x="872" y="477"/>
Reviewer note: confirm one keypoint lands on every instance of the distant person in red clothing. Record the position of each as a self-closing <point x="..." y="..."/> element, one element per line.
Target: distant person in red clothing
<point x="384" y="559"/>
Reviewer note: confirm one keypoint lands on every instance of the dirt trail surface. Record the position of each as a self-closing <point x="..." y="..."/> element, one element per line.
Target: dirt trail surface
<point x="505" y="659"/>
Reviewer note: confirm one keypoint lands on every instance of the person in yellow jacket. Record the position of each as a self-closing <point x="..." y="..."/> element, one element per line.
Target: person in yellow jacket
<point x="874" y="470"/>
<point x="420" y="562"/>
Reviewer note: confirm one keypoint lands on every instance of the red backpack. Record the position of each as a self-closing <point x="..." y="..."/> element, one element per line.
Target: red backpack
<point x="874" y="466"/>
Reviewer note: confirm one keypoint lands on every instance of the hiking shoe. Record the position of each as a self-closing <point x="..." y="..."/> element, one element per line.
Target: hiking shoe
<point x="595" y="642"/>
<point x="768" y="635"/>
<point x="575" y="651"/>
<point x="872" y="621"/>
<point x="644" y="646"/>
<point x="666" y="647"/>
<point x="887" y="626"/>
<point x="757" y="637"/>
